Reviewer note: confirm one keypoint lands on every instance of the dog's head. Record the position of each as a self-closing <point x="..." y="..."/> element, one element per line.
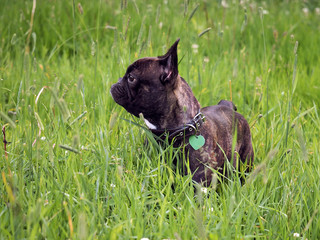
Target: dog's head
<point x="145" y="86"/>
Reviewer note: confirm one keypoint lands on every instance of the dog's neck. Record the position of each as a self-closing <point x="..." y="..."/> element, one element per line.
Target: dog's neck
<point x="185" y="106"/>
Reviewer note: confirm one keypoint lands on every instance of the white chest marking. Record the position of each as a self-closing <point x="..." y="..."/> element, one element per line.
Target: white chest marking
<point x="150" y="125"/>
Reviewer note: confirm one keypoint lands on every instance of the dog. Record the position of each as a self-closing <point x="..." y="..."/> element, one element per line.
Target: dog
<point x="208" y="136"/>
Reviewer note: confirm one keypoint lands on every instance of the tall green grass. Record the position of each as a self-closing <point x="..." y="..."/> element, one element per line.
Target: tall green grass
<point x="74" y="168"/>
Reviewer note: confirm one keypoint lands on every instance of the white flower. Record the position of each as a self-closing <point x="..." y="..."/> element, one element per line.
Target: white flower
<point x="204" y="190"/>
<point x="224" y="4"/>
<point x="265" y="12"/>
<point x="144" y="238"/>
<point x="112" y="185"/>
<point x="195" y="47"/>
<point x="206" y="59"/>
<point x="296" y="235"/>
<point x="317" y="10"/>
<point x="305" y="11"/>
<point x="43" y="138"/>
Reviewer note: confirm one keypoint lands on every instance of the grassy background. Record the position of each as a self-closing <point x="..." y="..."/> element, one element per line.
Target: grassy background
<point x="76" y="169"/>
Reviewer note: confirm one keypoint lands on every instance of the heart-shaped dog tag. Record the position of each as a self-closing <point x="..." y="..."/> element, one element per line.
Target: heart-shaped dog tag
<point x="196" y="141"/>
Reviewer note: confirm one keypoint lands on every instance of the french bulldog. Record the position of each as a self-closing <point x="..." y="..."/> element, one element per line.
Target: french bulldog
<point x="208" y="136"/>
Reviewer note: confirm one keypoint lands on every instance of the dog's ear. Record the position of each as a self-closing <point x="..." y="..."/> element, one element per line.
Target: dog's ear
<point x="169" y="61"/>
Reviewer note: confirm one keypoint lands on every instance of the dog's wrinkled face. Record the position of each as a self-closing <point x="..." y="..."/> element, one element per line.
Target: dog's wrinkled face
<point x="145" y="85"/>
<point x="140" y="89"/>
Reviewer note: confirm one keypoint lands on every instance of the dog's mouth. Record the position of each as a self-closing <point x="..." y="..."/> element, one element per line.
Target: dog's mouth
<point x="119" y="94"/>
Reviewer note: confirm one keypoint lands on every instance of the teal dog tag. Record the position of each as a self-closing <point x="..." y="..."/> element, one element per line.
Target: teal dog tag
<point x="196" y="142"/>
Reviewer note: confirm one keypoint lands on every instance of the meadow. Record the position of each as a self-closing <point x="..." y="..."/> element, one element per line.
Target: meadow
<point x="74" y="165"/>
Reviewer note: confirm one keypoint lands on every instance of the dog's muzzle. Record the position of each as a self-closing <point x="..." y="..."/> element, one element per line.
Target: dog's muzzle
<point x="118" y="93"/>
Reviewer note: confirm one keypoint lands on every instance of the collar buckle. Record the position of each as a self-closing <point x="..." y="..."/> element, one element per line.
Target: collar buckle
<point x="187" y="129"/>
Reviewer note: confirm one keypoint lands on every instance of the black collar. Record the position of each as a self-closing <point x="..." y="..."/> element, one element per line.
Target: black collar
<point x="188" y="129"/>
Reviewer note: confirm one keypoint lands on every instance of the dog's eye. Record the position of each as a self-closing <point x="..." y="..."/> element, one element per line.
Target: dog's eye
<point x="131" y="79"/>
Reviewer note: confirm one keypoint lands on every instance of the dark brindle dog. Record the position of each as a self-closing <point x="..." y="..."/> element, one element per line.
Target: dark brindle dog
<point x="152" y="86"/>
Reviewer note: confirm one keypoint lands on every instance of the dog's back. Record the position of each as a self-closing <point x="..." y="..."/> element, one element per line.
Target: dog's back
<point x="228" y="104"/>
<point x="227" y="122"/>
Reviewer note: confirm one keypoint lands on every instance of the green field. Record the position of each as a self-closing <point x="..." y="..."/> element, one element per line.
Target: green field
<point x="76" y="165"/>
